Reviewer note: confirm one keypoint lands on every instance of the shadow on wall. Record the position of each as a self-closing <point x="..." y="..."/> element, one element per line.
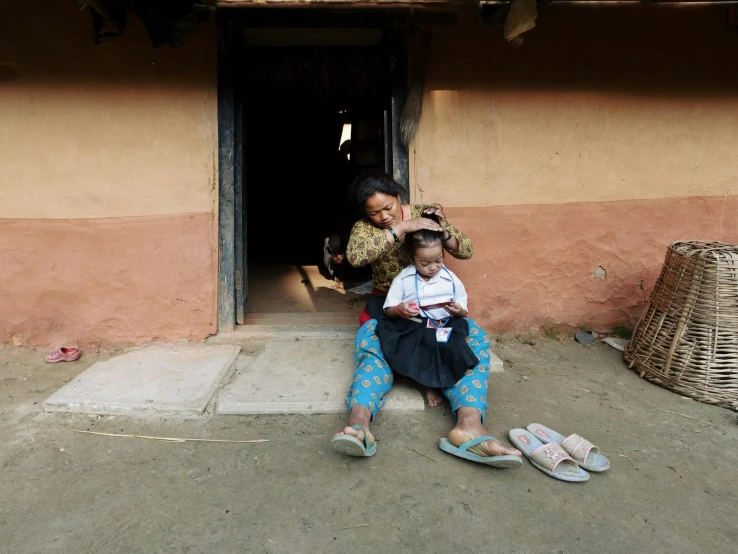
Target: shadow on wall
<point x="51" y="43"/>
<point x="644" y="49"/>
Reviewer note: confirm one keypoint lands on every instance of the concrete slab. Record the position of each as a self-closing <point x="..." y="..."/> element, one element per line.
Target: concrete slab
<point x="173" y="379"/>
<point x="306" y="376"/>
<point x="495" y="363"/>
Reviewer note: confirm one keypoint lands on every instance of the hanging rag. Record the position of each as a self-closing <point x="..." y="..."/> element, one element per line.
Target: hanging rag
<point x="520" y="18"/>
<point x="166" y="21"/>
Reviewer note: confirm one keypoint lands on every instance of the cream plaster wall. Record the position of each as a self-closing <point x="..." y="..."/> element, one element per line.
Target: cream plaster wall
<point x="598" y="104"/>
<point x="110" y="130"/>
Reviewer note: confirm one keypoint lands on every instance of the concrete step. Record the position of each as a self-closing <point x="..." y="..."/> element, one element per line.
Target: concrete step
<point x="313" y="325"/>
<point x="257" y="332"/>
<point x="303" y="318"/>
<point x="301" y="364"/>
<point x="326" y="325"/>
<point x="301" y="377"/>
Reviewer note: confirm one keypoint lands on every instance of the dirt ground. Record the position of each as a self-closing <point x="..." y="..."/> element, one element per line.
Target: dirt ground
<point x="672" y="486"/>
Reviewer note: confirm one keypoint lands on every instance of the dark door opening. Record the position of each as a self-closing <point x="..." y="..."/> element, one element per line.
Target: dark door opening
<point x="315" y="95"/>
<point x="313" y="119"/>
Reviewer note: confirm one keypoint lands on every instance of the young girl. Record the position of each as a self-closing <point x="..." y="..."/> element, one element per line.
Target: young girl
<point x="423" y="333"/>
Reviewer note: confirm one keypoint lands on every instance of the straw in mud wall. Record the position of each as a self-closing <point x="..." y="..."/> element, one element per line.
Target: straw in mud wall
<point x="410" y="118"/>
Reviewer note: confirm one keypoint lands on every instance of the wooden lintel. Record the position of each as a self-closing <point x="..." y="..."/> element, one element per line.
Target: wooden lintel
<point x="613" y="2"/>
<point x="384" y="4"/>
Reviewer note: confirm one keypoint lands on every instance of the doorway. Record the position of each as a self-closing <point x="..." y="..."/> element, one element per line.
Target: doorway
<point x="313" y="120"/>
<point x="314" y="99"/>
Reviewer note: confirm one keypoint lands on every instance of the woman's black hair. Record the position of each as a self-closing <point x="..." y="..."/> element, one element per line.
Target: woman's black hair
<point x="423" y="238"/>
<point x="368" y="184"/>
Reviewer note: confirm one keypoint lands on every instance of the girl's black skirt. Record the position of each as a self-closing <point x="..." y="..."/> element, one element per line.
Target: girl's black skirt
<point x="411" y="349"/>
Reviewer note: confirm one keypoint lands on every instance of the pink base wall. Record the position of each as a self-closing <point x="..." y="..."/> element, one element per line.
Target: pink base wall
<point x="533" y="266"/>
<point x="91" y="282"/>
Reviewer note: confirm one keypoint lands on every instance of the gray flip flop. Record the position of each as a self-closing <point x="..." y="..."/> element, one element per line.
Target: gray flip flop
<point x="351" y="446"/>
<point x="585" y="337"/>
<point x="462" y="451"/>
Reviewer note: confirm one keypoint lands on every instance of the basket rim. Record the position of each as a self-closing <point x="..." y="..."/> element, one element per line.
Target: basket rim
<point x="702" y="245"/>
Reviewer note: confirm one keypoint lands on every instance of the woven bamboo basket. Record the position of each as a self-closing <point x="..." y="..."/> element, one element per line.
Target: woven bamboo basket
<point x="687" y="339"/>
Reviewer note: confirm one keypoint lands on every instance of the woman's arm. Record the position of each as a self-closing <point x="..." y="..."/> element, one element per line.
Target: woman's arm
<point x="366" y="244"/>
<point x="458" y="245"/>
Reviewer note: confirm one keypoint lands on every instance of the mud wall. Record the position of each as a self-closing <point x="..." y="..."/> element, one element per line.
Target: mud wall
<point x="574" y="160"/>
<point x="107" y="181"/>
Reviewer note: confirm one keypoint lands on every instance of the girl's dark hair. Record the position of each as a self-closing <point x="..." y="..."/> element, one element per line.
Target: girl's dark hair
<point x="369" y="183"/>
<point x="423" y="238"/>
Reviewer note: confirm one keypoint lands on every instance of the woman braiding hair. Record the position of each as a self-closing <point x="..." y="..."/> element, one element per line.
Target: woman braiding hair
<point x="377" y="239"/>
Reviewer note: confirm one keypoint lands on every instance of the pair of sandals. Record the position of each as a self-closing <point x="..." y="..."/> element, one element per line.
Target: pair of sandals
<point x="560" y="457"/>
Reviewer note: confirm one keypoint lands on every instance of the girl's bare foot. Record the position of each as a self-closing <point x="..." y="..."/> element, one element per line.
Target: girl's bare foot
<point x="432" y="396"/>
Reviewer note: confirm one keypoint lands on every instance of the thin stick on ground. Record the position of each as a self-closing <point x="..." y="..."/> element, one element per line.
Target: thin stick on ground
<point x="166" y="439"/>
<point x="426" y="455"/>
<point x="363" y="525"/>
<point x="690" y="417"/>
<point x="626" y="457"/>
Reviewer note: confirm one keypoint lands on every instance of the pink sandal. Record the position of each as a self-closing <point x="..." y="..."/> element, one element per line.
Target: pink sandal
<point x="64" y="355"/>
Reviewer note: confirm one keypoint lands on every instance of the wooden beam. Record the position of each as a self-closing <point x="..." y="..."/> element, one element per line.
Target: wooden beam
<point x="336" y="3"/>
<point x="492" y="3"/>
<point x="398" y="84"/>
<point x="239" y="214"/>
<point x="226" y="185"/>
<point x="420" y="4"/>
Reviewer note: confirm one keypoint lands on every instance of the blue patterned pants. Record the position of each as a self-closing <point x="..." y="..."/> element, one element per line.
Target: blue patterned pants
<point x="373" y="376"/>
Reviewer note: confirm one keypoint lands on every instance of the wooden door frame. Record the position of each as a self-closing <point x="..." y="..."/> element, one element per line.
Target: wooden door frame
<point x="232" y="261"/>
<point x="227" y="215"/>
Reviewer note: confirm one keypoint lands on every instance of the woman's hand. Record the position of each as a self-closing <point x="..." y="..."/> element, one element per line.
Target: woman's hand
<point x="438" y="211"/>
<point x="450" y="242"/>
<point x="456" y="310"/>
<point x="417" y="224"/>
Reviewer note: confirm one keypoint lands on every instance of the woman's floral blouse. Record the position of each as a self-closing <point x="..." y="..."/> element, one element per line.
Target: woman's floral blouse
<point x="369" y="245"/>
